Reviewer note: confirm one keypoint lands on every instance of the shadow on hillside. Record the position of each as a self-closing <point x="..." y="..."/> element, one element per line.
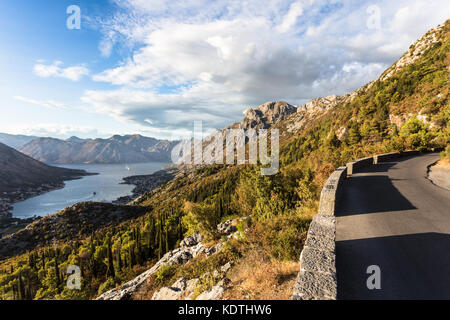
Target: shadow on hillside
<point x="415" y="266"/>
<point x="370" y="194"/>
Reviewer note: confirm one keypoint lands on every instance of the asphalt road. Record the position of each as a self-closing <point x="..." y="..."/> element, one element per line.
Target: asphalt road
<point x="392" y="216"/>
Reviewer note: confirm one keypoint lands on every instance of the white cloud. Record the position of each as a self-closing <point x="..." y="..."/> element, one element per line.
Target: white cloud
<point x="291" y="17"/>
<point x="55" y="69"/>
<point x="47" y="103"/>
<point x="210" y="60"/>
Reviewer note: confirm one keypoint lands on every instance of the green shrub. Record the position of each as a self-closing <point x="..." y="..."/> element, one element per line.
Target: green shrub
<point x="165" y="272"/>
<point x="107" y="285"/>
<point x="201" y="218"/>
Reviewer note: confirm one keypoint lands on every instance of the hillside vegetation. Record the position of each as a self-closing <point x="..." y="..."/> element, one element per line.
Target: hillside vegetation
<point x="407" y="108"/>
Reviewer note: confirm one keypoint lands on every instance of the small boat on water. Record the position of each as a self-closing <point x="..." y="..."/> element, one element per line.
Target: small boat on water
<point x="127" y="168"/>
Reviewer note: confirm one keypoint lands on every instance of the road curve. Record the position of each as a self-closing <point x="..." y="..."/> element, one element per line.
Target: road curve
<point x="392" y="216"/>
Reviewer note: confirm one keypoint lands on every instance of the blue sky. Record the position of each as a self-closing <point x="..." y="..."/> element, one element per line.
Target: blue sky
<point x="154" y="66"/>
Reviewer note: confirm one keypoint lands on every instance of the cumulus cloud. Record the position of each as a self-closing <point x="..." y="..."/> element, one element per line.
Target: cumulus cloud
<point x="210" y="60"/>
<point x="56" y="69"/>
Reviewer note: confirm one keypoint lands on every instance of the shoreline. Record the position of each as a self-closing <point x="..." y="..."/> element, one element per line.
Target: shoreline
<point x="143" y="184"/>
<point x="146" y="183"/>
<point x="8" y="223"/>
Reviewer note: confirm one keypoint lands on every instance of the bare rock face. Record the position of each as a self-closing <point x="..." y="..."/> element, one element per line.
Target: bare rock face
<point x="226" y="227"/>
<point x="183" y="287"/>
<point x="266" y="115"/>
<point x="215" y="293"/>
<point x="415" y="51"/>
<point x="312" y="109"/>
<point x="191" y="240"/>
<point x="399" y="120"/>
<point x="321" y="104"/>
<point x="342" y="133"/>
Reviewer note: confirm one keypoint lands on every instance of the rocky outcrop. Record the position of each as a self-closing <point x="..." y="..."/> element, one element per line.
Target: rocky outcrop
<point x="190" y="247"/>
<point x="312" y="109"/>
<point x="182" y="288"/>
<point x="415" y="51"/>
<point x="266" y="115"/>
<point x="215" y="293"/>
<point x="399" y="120"/>
<point x="319" y="106"/>
<point x="226" y="227"/>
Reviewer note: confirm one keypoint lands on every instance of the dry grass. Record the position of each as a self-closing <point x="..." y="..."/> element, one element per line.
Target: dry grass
<point x="257" y="278"/>
<point x="444" y="163"/>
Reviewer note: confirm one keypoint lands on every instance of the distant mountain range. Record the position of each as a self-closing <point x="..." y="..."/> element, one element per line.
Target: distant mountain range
<point x="117" y="149"/>
<point x="15" y="140"/>
<point x="20" y="172"/>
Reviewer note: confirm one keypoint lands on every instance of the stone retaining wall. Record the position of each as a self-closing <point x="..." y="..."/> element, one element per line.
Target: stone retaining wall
<point x="385" y="157"/>
<point x="317" y="277"/>
<point x="352" y="167"/>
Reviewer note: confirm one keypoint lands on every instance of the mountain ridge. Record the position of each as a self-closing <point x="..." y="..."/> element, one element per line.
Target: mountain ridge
<point x="116" y="149"/>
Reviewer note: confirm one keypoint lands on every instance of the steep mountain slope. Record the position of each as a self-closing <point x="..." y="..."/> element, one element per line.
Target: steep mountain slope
<point x="18" y="171"/>
<point x="409" y="109"/>
<point x="117" y="149"/>
<point x="15" y="141"/>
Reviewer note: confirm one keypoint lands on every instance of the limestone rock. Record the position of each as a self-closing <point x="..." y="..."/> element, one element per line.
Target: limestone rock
<point x="415" y="51"/>
<point x="190" y="248"/>
<point x="342" y="133"/>
<point x="180" y="289"/>
<point x="266" y="115"/>
<point x="226" y="267"/>
<point x="191" y="240"/>
<point x="215" y="293"/>
<point x="226" y="227"/>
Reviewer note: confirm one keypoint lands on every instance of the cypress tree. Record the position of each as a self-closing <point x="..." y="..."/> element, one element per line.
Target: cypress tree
<point x="160" y="239"/>
<point x="110" y="271"/>
<point x="57" y="275"/>
<point x="21" y="289"/>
